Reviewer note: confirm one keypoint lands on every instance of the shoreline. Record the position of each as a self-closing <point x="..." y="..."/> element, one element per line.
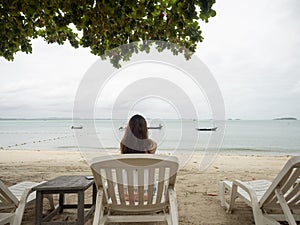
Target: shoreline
<point x="222" y="151"/>
<point x="197" y="191"/>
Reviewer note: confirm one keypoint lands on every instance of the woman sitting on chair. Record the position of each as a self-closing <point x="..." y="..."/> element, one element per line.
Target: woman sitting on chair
<point x="136" y="139"/>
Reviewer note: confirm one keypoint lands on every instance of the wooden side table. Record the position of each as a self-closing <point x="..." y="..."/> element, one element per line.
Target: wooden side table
<point x="65" y="185"/>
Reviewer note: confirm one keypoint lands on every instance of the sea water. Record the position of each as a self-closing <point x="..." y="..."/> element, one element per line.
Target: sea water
<point x="250" y="137"/>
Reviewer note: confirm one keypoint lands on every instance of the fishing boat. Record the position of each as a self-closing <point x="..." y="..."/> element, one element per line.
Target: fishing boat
<point x="157" y="128"/>
<point x="122" y="128"/>
<point x="150" y="128"/>
<point x="207" y="129"/>
<point x="76" y="127"/>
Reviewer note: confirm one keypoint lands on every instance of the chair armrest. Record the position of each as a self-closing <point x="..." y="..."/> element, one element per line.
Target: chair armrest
<point x="257" y="212"/>
<point x="247" y="188"/>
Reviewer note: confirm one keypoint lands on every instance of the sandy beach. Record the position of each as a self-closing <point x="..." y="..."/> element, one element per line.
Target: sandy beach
<point x="197" y="192"/>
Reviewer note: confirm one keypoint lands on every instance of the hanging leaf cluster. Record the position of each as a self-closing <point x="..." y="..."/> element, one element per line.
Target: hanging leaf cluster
<point x="103" y="25"/>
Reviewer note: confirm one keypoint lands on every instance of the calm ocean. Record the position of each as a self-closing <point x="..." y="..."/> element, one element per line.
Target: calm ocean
<point x="264" y="137"/>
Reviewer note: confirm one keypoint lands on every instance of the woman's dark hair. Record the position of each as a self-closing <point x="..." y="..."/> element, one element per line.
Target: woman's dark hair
<point x="136" y="134"/>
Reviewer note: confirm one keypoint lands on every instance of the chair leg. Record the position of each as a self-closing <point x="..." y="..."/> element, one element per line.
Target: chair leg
<point x="21" y="207"/>
<point x="173" y="207"/>
<point x="222" y="190"/>
<point x="168" y="218"/>
<point x="99" y="211"/>
<point x="233" y="196"/>
<point x="257" y="214"/>
<point x="285" y="208"/>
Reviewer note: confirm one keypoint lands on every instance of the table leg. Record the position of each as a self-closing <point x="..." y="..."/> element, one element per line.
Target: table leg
<point x="94" y="193"/>
<point x="80" y="209"/>
<point x="39" y="207"/>
<point x="61" y="202"/>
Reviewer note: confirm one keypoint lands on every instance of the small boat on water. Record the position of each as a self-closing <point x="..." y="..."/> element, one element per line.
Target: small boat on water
<point x="153" y="128"/>
<point x="207" y="129"/>
<point x="122" y="128"/>
<point x="156" y="128"/>
<point x="76" y="127"/>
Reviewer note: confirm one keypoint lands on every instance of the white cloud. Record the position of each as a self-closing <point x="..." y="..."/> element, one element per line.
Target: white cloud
<point x="252" y="47"/>
<point x="43" y="83"/>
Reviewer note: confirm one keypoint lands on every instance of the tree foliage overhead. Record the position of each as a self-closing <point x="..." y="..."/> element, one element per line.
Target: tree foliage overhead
<point x="103" y="25"/>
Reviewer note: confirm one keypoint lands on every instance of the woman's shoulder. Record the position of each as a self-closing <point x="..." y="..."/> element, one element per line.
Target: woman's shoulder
<point x="151" y="145"/>
<point x="150" y="142"/>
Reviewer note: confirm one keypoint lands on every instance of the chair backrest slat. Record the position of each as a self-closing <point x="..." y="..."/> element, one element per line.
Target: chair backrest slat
<point x="291" y="195"/>
<point x="141" y="183"/>
<point x="6" y="197"/>
<point x="151" y="183"/>
<point x="120" y="183"/>
<point x="290" y="184"/>
<point x="5" y="203"/>
<point x="130" y="180"/>
<point x="101" y="179"/>
<point x="285" y="185"/>
<point x="286" y="181"/>
<point x="294" y="201"/>
<point x="135" y="180"/>
<point x="160" y="186"/>
<point x="111" y="185"/>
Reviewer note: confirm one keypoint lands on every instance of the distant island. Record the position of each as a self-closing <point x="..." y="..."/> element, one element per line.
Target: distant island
<point x="285" y="118"/>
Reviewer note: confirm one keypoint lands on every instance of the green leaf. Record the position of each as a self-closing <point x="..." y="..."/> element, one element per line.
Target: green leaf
<point x="104" y="26"/>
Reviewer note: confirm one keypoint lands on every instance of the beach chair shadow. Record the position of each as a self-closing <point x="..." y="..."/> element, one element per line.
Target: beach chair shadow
<point x="271" y="202"/>
<point x="15" y="199"/>
<point x="135" y="188"/>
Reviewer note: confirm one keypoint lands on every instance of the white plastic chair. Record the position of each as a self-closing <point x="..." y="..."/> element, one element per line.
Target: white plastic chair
<point x="145" y="194"/>
<point x="14" y="199"/>
<point x="270" y="201"/>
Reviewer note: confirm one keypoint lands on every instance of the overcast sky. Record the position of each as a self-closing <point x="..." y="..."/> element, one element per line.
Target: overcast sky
<point x="252" y="48"/>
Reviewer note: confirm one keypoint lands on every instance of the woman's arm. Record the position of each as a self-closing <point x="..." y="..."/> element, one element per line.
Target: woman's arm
<point x="152" y="147"/>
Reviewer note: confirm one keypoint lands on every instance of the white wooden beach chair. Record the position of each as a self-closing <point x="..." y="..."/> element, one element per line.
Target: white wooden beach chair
<point x="14" y="199"/>
<point x="271" y="202"/>
<point x="145" y="194"/>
